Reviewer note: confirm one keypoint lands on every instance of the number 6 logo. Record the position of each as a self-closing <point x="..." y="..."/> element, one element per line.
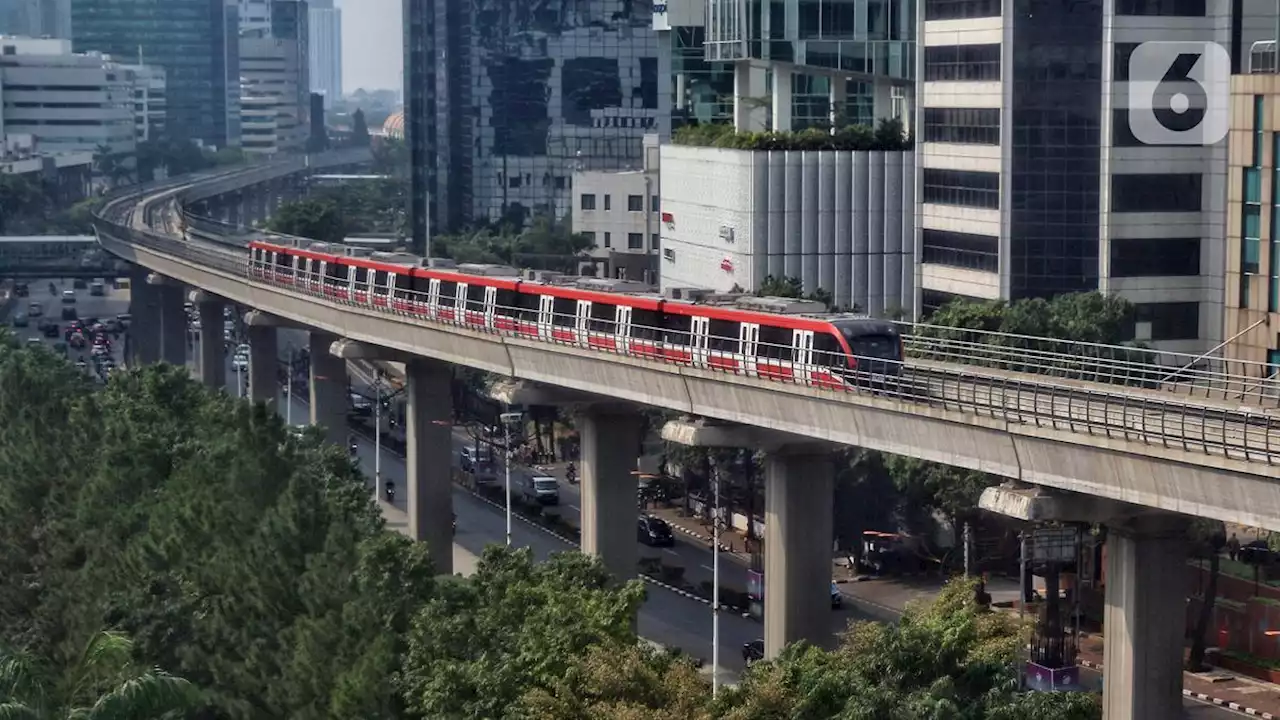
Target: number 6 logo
<point x="1179" y="93"/>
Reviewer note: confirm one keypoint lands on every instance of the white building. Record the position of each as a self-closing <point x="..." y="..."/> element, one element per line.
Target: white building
<point x="270" y="67"/>
<point x="619" y="213"/>
<point x="259" y="124"/>
<point x="325" y="49"/>
<point x="36" y="18"/>
<point x="842" y="222"/>
<point x="255" y="16"/>
<point x="149" y="102"/>
<point x="68" y="102"/>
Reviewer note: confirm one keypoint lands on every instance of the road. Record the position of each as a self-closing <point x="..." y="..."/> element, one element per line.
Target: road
<point x="114" y="303"/>
<point x="666" y="617"/>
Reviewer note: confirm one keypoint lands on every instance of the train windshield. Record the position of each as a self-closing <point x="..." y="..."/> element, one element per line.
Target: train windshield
<point x="880" y="346"/>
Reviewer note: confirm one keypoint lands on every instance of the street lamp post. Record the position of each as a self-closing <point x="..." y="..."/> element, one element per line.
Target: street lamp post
<point x="508" y="418"/>
<point x="288" y="389"/>
<point x="715" y="585"/>
<point x="377" y="430"/>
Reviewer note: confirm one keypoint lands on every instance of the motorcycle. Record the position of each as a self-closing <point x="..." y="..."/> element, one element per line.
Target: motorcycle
<point x="571" y="474"/>
<point x="390" y="491"/>
<point x="53" y="289"/>
<point x="354" y="449"/>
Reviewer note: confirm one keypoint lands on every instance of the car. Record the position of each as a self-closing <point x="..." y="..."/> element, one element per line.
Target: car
<point x="82" y="365"/>
<point x="68" y="297"/>
<point x="69" y="312"/>
<point x="655" y="532"/>
<point x="240" y="363"/>
<point x="752" y="652"/>
<point x="97" y="288"/>
<point x="242" y="349"/>
<point x="468" y="457"/>
<point x="79" y="283"/>
<point x="35" y="309"/>
<point x="35" y="342"/>
<point x="21" y="289"/>
<point x="50" y="329"/>
<point x="20" y="320"/>
<point x="124" y="319"/>
<point x="76" y="340"/>
<point x="541" y="489"/>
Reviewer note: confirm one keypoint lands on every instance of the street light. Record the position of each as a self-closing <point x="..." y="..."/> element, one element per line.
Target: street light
<point x="715" y="584"/>
<point x="507" y="419"/>
<point x="288" y="388"/>
<point x="377" y="430"/>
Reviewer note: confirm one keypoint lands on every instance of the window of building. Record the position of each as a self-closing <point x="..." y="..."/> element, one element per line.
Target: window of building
<point x="1259" y="122"/>
<point x="654" y="242"/>
<point x="1156" y="193"/>
<point x="970" y="126"/>
<point x="514" y="182"/>
<point x="654" y="203"/>
<point x="1273" y="360"/>
<point x="960" y="9"/>
<point x="608" y="238"/>
<point x="962" y="187"/>
<point x="1165" y="8"/>
<point x="962" y="250"/>
<point x="1120" y="56"/>
<point x="1155" y="257"/>
<point x="635" y="203"/>
<point x="635" y="241"/>
<point x="589" y="236"/>
<point x="1253" y="185"/>
<point x="588" y="201"/>
<point x="608" y="202"/>
<point x="1171" y="321"/>
<point x="962" y="62"/>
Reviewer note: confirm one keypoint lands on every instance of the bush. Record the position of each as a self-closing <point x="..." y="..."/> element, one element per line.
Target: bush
<point x="889" y="135"/>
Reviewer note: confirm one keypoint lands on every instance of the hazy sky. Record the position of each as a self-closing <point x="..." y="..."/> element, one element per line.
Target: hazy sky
<point x="372" y="44"/>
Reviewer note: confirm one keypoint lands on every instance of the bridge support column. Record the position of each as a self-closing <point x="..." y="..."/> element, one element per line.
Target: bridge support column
<point x="264" y="354"/>
<point x="234" y="202"/>
<point x="329" y="395"/>
<point x="429" y="462"/>
<point x="259" y="215"/>
<point x="610" y="441"/>
<point x="213" y="358"/>
<point x="144" y="328"/>
<point x="173" y="324"/>
<point x="798" y="495"/>
<point x="1145" y="618"/>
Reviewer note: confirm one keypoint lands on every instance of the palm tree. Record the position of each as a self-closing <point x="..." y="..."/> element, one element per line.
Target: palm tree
<point x="104" y="684"/>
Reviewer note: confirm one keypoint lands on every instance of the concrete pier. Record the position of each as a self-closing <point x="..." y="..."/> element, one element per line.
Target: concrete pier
<point x="329" y="396"/>
<point x="798" y="495"/>
<point x="429" y="461"/>
<point x="144" y="328"/>
<point x="264" y="355"/>
<point x="213" y="357"/>
<point x="173" y="324"/>
<point x="610" y="441"/>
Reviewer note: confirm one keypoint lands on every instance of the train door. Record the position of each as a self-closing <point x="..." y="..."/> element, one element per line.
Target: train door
<point x="490" y="305"/>
<point x="321" y="277"/>
<point x="748" y="339"/>
<point x="699" y="338"/>
<point x="433" y="298"/>
<point x="546" y="316"/>
<point x="582" y="322"/>
<point x="802" y="351"/>
<point x="460" y="303"/>
<point x="622" y="327"/>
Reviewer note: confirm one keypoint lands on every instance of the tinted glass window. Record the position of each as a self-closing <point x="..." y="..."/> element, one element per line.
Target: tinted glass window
<point x="962" y="187"/>
<point x="960" y="9"/>
<point x="1156" y="193"/>
<point x="880" y="347"/>
<point x="1155" y="257"/>
<point x="1171" y="321"/>
<point x="962" y="125"/>
<point x="1167" y="8"/>
<point x="962" y="250"/>
<point x="962" y="62"/>
<point x="1122" y="132"/>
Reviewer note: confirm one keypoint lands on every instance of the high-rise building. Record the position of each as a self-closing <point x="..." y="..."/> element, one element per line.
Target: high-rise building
<point x="506" y="100"/>
<point x="255" y="15"/>
<point x="149" y="103"/>
<point x="1033" y="180"/>
<point x="36" y="18"/>
<point x="269" y="69"/>
<point x="290" y="25"/>
<point x="325" y="50"/>
<point x="194" y="41"/>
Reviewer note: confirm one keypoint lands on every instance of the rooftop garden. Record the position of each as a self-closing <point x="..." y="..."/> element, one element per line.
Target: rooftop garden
<point x="889" y="135"/>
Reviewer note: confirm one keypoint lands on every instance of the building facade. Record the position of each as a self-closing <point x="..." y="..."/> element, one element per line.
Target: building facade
<point x="843" y="222"/>
<point x="1032" y="180"/>
<point x="255" y="16"/>
<point x="68" y="102"/>
<point x="619" y="213"/>
<point x="325" y="50"/>
<point x="193" y="41"/>
<point x="505" y="100"/>
<point x="1252" y="295"/>
<point x="36" y="18"/>
<point x="149" y="103"/>
<point x="259" y="124"/>
<point x="268" y="69"/>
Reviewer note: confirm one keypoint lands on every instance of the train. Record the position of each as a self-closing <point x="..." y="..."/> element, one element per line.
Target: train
<point x="771" y="338"/>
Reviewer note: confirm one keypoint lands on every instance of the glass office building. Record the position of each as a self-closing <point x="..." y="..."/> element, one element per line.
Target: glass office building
<point x="195" y="41"/>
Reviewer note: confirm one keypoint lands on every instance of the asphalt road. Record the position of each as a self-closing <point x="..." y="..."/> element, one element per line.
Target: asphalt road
<point x="666" y="617"/>
<point x="115" y="302"/>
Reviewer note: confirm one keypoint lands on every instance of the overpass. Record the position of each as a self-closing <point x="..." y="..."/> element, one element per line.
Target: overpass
<point x="1193" y="438"/>
<point x="24" y="257"/>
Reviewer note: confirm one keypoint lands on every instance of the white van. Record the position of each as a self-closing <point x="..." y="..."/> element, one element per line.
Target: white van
<point x="541" y="489"/>
<point x="68" y="297"/>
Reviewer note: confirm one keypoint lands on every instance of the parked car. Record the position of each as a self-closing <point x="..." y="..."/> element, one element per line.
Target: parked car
<point x="752" y="652"/>
<point x="654" y="532"/>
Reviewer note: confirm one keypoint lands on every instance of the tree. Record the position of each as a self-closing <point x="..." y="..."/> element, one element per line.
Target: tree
<point x="947" y="659"/>
<point x="1208" y="538"/>
<point x="359" y="130"/>
<point x="484" y="642"/>
<point x="318" y="219"/>
<point x="391" y="157"/>
<point x="21" y="199"/>
<point x="784" y="287"/>
<point x="104" y="684"/>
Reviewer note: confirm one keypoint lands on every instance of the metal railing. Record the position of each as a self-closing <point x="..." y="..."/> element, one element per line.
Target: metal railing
<point x="1017" y="379"/>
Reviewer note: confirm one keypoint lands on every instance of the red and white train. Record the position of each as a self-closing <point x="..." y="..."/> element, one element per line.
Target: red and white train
<point x="829" y="350"/>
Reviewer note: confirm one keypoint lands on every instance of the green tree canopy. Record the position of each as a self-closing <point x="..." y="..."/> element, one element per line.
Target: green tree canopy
<point x="359" y="130"/>
<point x="319" y="219"/>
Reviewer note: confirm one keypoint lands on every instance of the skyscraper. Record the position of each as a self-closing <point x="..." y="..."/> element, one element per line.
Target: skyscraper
<point x="195" y="41"/>
<point x="36" y="18"/>
<point x="506" y="99"/>
<point x="326" y="50"/>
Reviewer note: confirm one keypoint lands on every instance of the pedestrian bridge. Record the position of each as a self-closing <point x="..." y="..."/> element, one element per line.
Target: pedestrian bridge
<point x="1149" y="429"/>
<point x="45" y="256"/>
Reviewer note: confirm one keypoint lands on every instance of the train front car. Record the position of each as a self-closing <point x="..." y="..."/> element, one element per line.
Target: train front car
<point x="874" y="347"/>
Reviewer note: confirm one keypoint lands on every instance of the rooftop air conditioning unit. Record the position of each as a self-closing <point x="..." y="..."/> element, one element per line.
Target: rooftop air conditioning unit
<point x="359" y="252"/>
<point x="690" y="294"/>
<point x="440" y="263"/>
<point x="542" y="276"/>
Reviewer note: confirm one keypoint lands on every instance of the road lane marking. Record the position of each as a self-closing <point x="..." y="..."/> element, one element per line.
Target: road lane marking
<point x="575" y="507"/>
<point x="708" y="568"/>
<point x="669" y="551"/>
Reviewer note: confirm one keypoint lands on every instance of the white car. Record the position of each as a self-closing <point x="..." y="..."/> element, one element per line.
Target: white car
<point x="240" y="362"/>
<point x="242" y="349"/>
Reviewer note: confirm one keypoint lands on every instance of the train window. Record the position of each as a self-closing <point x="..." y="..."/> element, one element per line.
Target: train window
<point x="775" y="343"/>
<point x="645" y="324"/>
<point x="880" y="346"/>
<point x="676" y="328"/>
<point x="380" y="281"/>
<point x="362" y="277"/>
<point x="420" y="286"/>
<point x="564" y="312"/>
<point x="827" y="350"/>
<point x="723" y="336"/>
<point x="336" y="271"/>
<point x="507" y="299"/>
<point x="475" y="297"/>
<point x="603" y="318"/>
<point x="448" y="292"/>
<point x="527" y="302"/>
<point x="283" y="260"/>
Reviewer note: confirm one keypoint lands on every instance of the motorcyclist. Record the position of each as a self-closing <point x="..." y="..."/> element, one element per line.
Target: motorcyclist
<point x="352" y="445"/>
<point x="571" y="473"/>
<point x="390" y="490"/>
<point x="53" y="289"/>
